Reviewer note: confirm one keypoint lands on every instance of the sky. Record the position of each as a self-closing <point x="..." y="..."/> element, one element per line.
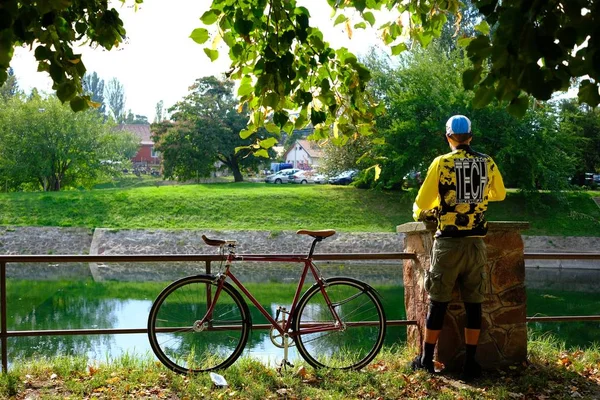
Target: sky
<point x="160" y="61"/>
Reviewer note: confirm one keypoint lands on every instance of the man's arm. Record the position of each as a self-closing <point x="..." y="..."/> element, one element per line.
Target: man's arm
<point x="497" y="190"/>
<point x="428" y="196"/>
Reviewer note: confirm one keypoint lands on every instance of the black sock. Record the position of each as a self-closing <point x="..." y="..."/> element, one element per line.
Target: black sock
<point x="470" y="352"/>
<point x="428" y="349"/>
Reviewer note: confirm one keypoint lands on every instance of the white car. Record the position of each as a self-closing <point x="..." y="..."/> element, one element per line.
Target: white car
<point x="282" y="176"/>
<point x="320" y="178"/>
<point x="302" y="177"/>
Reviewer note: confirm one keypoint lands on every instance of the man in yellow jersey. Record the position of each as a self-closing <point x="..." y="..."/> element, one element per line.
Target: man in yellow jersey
<point x="455" y="194"/>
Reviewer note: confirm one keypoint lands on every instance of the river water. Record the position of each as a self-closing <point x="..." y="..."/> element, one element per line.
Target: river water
<point x="79" y="302"/>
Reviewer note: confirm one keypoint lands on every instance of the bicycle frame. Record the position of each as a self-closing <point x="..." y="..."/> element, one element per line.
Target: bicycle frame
<point x="285" y="329"/>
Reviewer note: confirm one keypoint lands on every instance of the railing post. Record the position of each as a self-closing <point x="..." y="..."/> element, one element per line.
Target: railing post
<point x="3" y="329"/>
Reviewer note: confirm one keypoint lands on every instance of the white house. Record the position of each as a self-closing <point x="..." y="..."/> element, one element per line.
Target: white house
<point x="304" y="154"/>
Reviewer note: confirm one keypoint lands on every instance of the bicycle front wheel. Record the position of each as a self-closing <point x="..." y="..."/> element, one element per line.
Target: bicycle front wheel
<point x="184" y="344"/>
<point x="355" y="342"/>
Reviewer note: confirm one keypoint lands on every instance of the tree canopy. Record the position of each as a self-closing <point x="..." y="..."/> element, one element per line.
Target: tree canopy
<point x="205" y="130"/>
<point x="44" y="145"/>
<point x="519" y="48"/>
<point x="544" y="149"/>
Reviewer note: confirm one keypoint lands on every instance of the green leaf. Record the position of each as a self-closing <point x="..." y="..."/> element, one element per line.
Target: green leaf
<point x="262" y="153"/>
<point x="340" y="19"/>
<point x="78" y="104"/>
<point x="369" y="17"/>
<point x="268" y="143"/>
<point x="280" y="118"/>
<point x="245" y="134"/>
<point x="212" y="54"/>
<point x="271" y="100"/>
<point x="241" y="25"/>
<point x="288" y="127"/>
<point x="42" y="53"/>
<point x="483" y="27"/>
<point x="66" y="91"/>
<point x="518" y="106"/>
<point x="272" y="128"/>
<point x="588" y="93"/>
<point x="464" y="42"/>
<point x="478" y="44"/>
<point x="209" y="17"/>
<point x="365" y="129"/>
<point x="483" y="96"/>
<point x="360" y="25"/>
<point x="245" y="89"/>
<point x="199" y="35"/>
<point x="471" y="77"/>
<point x="399" y="48"/>
<point x="317" y="117"/>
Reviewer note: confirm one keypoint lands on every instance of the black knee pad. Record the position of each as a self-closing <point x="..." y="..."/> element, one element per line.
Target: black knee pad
<point x="473" y="311"/>
<point x="435" y="316"/>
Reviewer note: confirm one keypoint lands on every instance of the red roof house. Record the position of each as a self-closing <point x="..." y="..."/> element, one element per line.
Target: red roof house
<point x="146" y="154"/>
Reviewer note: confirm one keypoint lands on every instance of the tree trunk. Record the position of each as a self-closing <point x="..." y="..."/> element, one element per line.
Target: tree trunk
<point x="235" y="168"/>
<point x="233" y="165"/>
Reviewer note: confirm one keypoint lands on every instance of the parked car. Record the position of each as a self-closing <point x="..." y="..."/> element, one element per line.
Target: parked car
<point x="320" y="178"/>
<point x="282" y="176"/>
<point x="302" y="177"/>
<point x="345" y="178"/>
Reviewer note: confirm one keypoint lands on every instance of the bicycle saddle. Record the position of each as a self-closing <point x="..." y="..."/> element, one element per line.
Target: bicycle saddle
<point x="217" y="242"/>
<point x="317" y="234"/>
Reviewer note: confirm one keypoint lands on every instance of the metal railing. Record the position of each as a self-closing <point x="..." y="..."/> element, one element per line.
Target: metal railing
<point x="207" y="259"/>
<point x="562" y="256"/>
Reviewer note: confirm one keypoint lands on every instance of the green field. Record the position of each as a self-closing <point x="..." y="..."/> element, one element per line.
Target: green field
<point x="258" y="206"/>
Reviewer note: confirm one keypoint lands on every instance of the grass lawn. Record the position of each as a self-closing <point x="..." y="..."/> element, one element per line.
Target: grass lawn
<point x="239" y="206"/>
<point x="551" y="372"/>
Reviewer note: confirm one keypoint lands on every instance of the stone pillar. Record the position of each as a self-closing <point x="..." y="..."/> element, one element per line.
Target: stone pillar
<point x="503" y="339"/>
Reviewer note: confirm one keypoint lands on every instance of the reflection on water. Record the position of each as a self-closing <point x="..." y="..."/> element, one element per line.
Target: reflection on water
<point x="81" y="304"/>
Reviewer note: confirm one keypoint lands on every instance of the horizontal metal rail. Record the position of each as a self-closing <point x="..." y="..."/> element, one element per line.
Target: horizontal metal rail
<point x="196" y="257"/>
<point x="562" y="256"/>
<point x="111" y="331"/>
<point x="563" y="318"/>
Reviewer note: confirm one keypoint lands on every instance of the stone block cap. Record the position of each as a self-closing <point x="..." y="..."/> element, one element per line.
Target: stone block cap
<point x="417" y="227"/>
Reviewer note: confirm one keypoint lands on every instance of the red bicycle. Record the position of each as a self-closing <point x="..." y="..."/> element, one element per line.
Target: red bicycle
<point x="202" y="322"/>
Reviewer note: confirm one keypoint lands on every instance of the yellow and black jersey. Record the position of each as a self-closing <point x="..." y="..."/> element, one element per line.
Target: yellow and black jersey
<point x="458" y="187"/>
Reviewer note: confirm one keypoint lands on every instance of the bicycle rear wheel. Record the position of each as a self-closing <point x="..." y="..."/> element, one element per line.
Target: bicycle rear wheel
<point x="350" y="346"/>
<point x="177" y="338"/>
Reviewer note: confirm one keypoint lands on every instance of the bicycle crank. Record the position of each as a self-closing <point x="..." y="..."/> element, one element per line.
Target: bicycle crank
<point x="277" y="338"/>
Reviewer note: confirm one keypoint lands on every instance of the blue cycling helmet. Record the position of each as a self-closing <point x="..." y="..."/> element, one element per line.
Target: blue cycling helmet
<point x="458" y="125"/>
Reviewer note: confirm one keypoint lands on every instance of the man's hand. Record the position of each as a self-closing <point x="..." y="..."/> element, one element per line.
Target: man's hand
<point x="428" y="215"/>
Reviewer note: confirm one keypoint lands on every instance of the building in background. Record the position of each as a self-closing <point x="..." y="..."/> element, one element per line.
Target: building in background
<point x="304" y="154"/>
<point x="146" y="156"/>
